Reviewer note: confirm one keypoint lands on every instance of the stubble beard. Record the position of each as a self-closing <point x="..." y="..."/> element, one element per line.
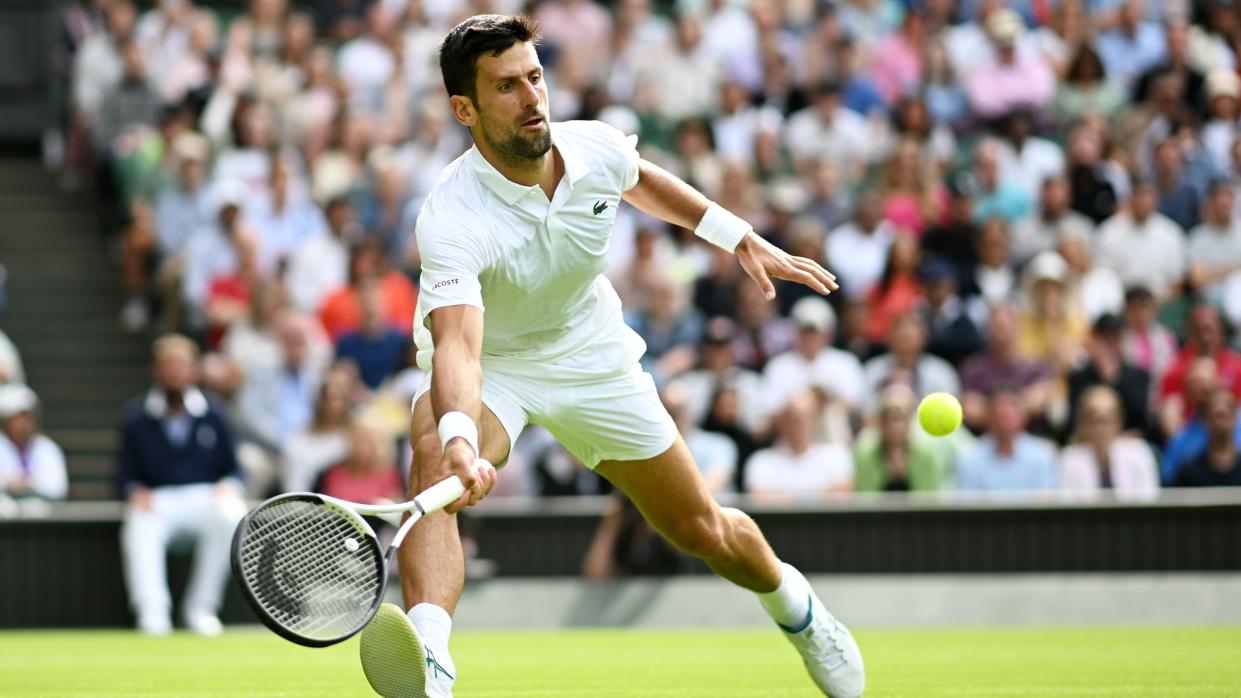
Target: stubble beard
<point x="519" y="148"/>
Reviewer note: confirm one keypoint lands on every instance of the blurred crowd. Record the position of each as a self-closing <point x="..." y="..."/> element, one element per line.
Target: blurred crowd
<point x="1034" y="205"/>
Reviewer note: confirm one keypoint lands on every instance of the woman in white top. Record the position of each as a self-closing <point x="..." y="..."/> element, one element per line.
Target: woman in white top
<point x="1101" y="458"/>
<point x="325" y="441"/>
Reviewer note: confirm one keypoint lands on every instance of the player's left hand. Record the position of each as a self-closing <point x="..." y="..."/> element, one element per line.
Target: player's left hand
<point x="764" y="261"/>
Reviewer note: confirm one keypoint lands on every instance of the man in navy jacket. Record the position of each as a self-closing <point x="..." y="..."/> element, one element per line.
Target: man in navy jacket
<point x="178" y="474"/>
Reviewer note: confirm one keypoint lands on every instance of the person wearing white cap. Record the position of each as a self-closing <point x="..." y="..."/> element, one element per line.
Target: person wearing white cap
<point x="813" y="360"/>
<point x="1050" y="328"/>
<point x="31" y="464"/>
<point x="1224" y="103"/>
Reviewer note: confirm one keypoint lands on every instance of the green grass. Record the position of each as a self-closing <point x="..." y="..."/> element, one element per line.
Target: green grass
<point x="1129" y="662"/>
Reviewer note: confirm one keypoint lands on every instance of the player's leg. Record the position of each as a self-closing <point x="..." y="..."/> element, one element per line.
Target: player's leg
<point x="671" y="495"/>
<point x="406" y="653"/>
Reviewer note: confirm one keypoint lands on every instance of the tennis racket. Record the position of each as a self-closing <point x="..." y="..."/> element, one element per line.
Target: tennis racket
<point x="312" y="568"/>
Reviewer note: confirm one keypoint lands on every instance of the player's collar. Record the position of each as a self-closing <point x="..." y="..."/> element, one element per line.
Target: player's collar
<point x="508" y="190"/>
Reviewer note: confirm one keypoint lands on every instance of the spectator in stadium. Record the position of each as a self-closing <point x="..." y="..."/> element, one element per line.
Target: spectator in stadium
<point x="276" y="402"/>
<point x="683" y="76"/>
<point x="1204" y="337"/>
<point x="954" y="239"/>
<point x="893" y="456"/>
<point x="1093" y="290"/>
<point x="896" y="61"/>
<point x="714" y="453"/>
<point x="1002" y="367"/>
<point x="368" y="472"/>
<point x="182" y="211"/>
<point x="1008" y="458"/>
<point x="1133" y="45"/>
<point x="31" y="464"/>
<point x="97" y="65"/>
<point x="377" y="348"/>
<point x="1044" y="230"/>
<point x="1086" y="89"/>
<point x="1106" y="365"/>
<point x="1050" y="328"/>
<point x="1147" y="343"/>
<point x="1094" y="193"/>
<point x="813" y="359"/>
<point x="252" y="343"/>
<point x="1100" y="457"/>
<point x="178" y="474"/>
<point x="859" y="248"/>
<point x="796" y="468"/>
<point x="761" y="332"/>
<point x="1215" y="245"/>
<point x="320" y="265"/>
<point x="1220" y="131"/>
<point x="230" y="290"/>
<point x="997" y="197"/>
<point x="670" y="326"/>
<point x="827" y="130"/>
<point x="991" y="278"/>
<point x="908" y="364"/>
<point x="209" y="254"/>
<point x="128" y="108"/>
<point x="913" y="197"/>
<point x="718" y="367"/>
<point x="1026" y="160"/>
<point x="283" y="219"/>
<point x="1176" y="64"/>
<point x="897" y="291"/>
<point x="1142" y="245"/>
<point x="341" y="311"/>
<point x="1220" y="462"/>
<point x="1178" y="197"/>
<point x="952" y="323"/>
<point x="1013" y="79"/>
<point x="325" y="440"/>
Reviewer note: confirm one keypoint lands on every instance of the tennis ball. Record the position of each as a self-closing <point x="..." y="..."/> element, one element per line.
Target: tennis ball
<point x="939" y="414"/>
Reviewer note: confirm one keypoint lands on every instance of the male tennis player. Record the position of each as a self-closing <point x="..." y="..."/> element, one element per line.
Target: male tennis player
<point x="516" y="323"/>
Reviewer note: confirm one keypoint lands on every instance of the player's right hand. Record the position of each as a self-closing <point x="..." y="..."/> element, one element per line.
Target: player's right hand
<point x="478" y="476"/>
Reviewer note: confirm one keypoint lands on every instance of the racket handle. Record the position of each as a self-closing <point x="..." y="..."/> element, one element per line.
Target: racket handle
<point x="439" y="495"/>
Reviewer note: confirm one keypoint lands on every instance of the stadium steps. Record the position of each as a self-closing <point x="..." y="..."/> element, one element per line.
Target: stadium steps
<point x="63" y="300"/>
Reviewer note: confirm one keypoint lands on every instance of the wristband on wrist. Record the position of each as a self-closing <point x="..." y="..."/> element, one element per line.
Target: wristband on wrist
<point x="721" y="228"/>
<point x="458" y="424"/>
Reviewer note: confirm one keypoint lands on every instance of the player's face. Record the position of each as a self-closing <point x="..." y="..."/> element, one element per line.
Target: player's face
<point x="511" y="103"/>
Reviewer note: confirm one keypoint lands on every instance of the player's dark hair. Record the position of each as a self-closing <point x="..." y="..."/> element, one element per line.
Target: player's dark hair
<point x="478" y="35"/>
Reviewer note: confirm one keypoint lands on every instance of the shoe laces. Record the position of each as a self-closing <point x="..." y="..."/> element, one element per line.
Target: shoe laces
<point x="824" y="643"/>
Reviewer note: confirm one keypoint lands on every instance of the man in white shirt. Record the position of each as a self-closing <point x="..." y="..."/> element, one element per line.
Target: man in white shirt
<point x="520" y="225"/>
<point x="321" y="264"/>
<point x="1044" y="229"/>
<point x="1142" y="245"/>
<point x="827" y="130"/>
<point x="860" y="246"/>
<point x="1215" y="244"/>
<point x="814" y="360"/>
<point x="796" y="467"/>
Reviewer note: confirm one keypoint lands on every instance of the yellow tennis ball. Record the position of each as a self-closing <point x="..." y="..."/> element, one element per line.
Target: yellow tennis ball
<point x="939" y="414"/>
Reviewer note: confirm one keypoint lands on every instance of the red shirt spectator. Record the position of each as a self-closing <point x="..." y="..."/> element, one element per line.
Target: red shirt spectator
<point x="341" y="312"/>
<point x="1206" y="338"/>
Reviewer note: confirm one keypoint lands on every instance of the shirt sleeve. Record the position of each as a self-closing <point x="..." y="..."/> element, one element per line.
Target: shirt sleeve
<point x="452" y="260"/>
<point x="618" y="151"/>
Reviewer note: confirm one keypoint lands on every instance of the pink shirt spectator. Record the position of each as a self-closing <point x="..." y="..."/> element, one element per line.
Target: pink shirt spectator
<point x="904" y="211"/>
<point x="575" y="22"/>
<point x="1131" y="469"/>
<point x="998" y="88"/>
<point x="896" y="67"/>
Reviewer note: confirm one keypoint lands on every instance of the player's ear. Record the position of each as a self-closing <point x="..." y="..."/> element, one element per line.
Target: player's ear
<point x="463" y="109"/>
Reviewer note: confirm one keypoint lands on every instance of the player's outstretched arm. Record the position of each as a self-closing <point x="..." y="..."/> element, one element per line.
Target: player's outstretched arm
<point x="661" y="194"/>
<point x="456" y="391"/>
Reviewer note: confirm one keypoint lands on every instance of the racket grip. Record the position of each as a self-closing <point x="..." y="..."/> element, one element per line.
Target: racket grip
<point x="439" y="495"/>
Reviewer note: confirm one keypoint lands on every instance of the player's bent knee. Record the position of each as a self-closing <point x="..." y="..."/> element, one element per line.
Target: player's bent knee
<point x="705" y="536"/>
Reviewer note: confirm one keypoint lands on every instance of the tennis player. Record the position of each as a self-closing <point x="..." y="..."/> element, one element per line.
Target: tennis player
<point x="516" y="323"/>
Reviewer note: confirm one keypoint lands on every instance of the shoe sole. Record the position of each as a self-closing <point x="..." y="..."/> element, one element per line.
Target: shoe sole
<point x="392" y="656"/>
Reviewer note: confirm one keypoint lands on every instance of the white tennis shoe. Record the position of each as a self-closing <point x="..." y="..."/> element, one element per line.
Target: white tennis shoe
<point x="397" y="662"/>
<point x="830" y="653"/>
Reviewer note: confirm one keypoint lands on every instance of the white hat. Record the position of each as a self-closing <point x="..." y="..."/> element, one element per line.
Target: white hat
<point x="1047" y="266"/>
<point x="814" y="313"/>
<point x="1005" y="26"/>
<point x="16" y="398"/>
<point x="1223" y="82"/>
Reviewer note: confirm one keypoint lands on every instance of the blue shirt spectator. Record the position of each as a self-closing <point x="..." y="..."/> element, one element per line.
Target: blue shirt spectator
<point x="1188" y="443"/>
<point x="1008" y="459"/>
<point x="377" y="354"/>
<point x="1132" y="47"/>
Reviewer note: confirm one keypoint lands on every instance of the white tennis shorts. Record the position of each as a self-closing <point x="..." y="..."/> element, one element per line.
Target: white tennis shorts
<point x="597" y="415"/>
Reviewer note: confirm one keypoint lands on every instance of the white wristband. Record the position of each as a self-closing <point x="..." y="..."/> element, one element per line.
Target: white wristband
<point x="721" y="228"/>
<point x="458" y="424"/>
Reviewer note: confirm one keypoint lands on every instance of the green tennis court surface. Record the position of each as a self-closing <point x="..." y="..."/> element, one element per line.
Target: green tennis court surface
<point x="604" y="663"/>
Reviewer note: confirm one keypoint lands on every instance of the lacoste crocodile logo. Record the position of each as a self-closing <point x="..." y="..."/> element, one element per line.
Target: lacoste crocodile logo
<point x="600" y="207"/>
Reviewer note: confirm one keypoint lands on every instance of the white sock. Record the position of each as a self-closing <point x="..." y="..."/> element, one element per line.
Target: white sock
<point x="789" y="604"/>
<point x="434" y="625"/>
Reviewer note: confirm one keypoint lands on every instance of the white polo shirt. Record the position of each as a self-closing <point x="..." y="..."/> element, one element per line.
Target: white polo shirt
<point x="535" y="266"/>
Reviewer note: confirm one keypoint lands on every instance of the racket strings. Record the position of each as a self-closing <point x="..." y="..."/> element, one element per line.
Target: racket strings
<point x="304" y="571"/>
